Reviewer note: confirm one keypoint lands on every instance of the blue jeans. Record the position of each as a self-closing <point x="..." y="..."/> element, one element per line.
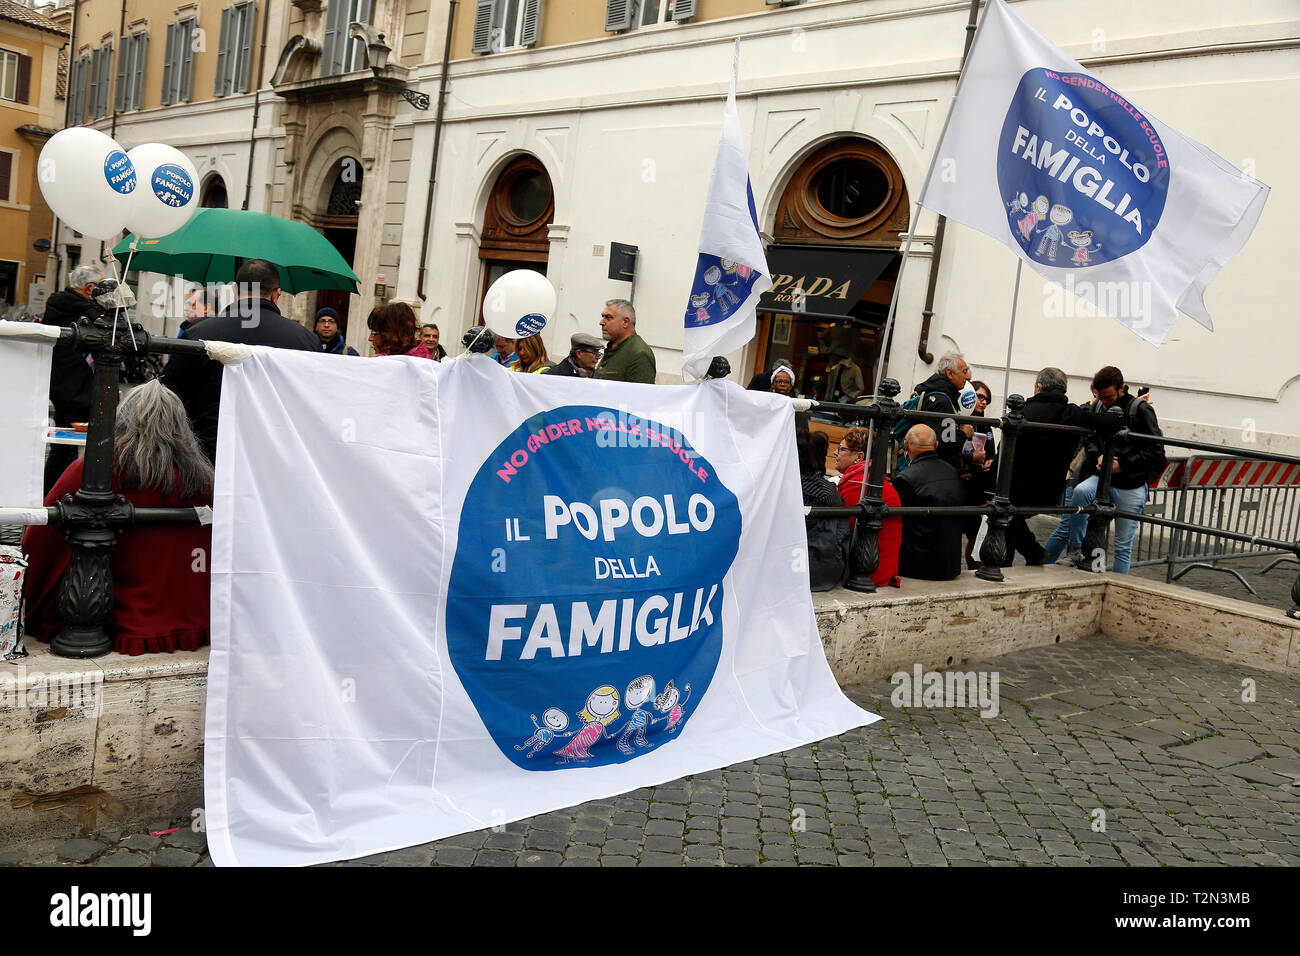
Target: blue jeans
<point x="1076" y="526"/>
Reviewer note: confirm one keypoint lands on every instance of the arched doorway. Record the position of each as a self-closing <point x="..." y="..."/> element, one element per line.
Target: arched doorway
<point x="214" y="194"/>
<point x="834" y="260"/>
<point x="338" y="221"/>
<point x="515" y="234"/>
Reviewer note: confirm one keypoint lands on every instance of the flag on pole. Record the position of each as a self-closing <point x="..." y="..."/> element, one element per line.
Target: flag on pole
<point x="732" y="271"/>
<point x="1090" y="190"/>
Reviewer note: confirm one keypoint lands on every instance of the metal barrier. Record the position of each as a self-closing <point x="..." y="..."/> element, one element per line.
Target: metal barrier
<point x="1243" y="495"/>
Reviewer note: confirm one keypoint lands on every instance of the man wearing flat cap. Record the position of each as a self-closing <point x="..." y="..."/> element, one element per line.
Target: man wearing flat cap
<point x="327" y="330"/>
<point x="584" y="352"/>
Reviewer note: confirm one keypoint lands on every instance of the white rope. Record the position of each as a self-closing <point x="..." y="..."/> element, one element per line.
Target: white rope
<point x="29" y="330"/>
<point x="227" y="353"/>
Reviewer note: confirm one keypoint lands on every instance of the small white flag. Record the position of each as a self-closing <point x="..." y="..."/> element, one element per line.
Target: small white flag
<point x="732" y="271"/>
<point x="1093" y="192"/>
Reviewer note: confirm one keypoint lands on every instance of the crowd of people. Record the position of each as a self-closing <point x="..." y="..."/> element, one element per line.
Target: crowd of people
<point x="946" y="464"/>
<point x="166" y="439"/>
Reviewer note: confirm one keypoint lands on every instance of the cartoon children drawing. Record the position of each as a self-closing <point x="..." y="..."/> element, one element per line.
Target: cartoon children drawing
<point x="1036" y="212"/>
<point x="1051" y="239"/>
<point x="1082" y="242"/>
<point x="670" y="704"/>
<point x="554" y="720"/>
<point x="638" y="692"/>
<point x="601" y="710"/>
<point x="1019" y="204"/>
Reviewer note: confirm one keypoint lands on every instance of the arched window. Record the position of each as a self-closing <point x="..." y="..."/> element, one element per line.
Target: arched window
<point x="214" y="194"/>
<point x="515" y="233"/>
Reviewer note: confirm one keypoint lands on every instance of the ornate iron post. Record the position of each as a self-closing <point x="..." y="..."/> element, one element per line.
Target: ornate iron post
<point x="93" y="518"/>
<point x="864" y="553"/>
<point x="1103" y="509"/>
<point x="994" y="552"/>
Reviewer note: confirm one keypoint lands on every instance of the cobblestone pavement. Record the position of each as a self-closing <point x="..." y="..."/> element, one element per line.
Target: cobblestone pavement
<point x="1104" y="753"/>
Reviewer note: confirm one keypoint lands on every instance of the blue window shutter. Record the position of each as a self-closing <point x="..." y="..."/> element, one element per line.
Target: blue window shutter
<point x="169" y="65"/>
<point x="484" y="14"/>
<point x="222" y="85"/>
<point x="244" y="64"/>
<point x="532" y="30"/>
<point x="330" y="42"/>
<point x="105" y="78"/>
<point x="92" y="95"/>
<point x="137" y="83"/>
<point x="123" y="74"/>
<point x="618" y="15"/>
<point x="185" y="39"/>
<point x="683" y="10"/>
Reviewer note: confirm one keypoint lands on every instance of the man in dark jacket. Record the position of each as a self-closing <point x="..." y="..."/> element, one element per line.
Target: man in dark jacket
<point x="70" y="373"/>
<point x="931" y="547"/>
<point x="1043" y="459"/>
<point x="327" y="330"/>
<point x="584" y="353"/>
<point x="1136" y="463"/>
<point x="941" y="393"/>
<point x="253" y="320"/>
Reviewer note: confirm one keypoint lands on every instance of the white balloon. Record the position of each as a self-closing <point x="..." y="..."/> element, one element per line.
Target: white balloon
<point x="168" y="195"/>
<point x="87" y="180"/>
<point x="519" y="304"/>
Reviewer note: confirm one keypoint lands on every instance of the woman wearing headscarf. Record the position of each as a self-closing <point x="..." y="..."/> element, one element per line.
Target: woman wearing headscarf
<point x="160" y="571"/>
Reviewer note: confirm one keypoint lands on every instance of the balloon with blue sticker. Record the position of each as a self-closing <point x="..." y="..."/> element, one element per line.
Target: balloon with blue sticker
<point x="966" y="399"/>
<point x="519" y="304"/>
<point x="88" y="181"/>
<point x="168" y="193"/>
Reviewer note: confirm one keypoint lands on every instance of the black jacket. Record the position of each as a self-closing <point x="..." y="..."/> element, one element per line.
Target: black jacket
<point x="931" y="547"/>
<point x="566" y="367"/>
<point x="70" y="375"/>
<point x="197" y="380"/>
<point x="1139" y="461"/>
<point x="828" y="538"/>
<point x="337" y="347"/>
<point x="1043" y="458"/>
<point x="942" y="396"/>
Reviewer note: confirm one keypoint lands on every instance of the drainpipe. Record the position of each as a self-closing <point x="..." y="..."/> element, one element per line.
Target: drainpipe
<point x="121" y="32"/>
<point x="437" y="141"/>
<point x="257" y="104"/>
<point x="922" y="345"/>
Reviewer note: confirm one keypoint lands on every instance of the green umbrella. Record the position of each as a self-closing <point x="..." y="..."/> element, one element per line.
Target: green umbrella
<point x="211" y="246"/>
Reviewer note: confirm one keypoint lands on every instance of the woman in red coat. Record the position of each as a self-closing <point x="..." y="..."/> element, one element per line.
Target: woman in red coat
<point x="160" y="572"/>
<point x="851" y="462"/>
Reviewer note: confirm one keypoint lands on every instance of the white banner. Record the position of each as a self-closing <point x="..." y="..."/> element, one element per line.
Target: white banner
<point x="448" y="596"/>
<point x="1092" y="192"/>
<point x="24" y="415"/>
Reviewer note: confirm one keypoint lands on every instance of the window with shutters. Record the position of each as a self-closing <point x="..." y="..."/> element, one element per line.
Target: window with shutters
<point x="624" y="15"/>
<point x="130" y="71"/>
<point x="101" y="79"/>
<point x="8" y="166"/>
<point x="506" y="25"/>
<point x="234" y="52"/>
<point x="178" y="62"/>
<point x="8" y="74"/>
<point x="340" y="52"/>
<point x="77" y="90"/>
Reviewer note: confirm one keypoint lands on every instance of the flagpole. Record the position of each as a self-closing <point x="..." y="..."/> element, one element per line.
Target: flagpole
<point x="1011" y="334"/>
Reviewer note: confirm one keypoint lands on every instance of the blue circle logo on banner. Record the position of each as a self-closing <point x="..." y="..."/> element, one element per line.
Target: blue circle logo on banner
<point x="584" y="611"/>
<point x="172" y="185"/>
<point x="119" y="171"/>
<point x="530" y="324"/>
<point x="1083" y="173"/>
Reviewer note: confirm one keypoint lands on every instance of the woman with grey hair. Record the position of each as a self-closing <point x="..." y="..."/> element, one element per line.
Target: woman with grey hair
<point x="160" y="572"/>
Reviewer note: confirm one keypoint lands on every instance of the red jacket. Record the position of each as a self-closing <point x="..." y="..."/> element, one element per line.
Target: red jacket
<point x="160" y="576"/>
<point x="890" y="538"/>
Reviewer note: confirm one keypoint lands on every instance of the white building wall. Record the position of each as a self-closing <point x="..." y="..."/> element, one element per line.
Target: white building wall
<point x="627" y="127"/>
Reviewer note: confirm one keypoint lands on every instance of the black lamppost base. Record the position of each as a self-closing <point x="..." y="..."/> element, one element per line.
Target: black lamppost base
<point x="74" y="641"/>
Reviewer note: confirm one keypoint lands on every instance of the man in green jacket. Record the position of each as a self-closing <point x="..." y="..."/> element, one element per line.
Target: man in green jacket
<point x="627" y="358"/>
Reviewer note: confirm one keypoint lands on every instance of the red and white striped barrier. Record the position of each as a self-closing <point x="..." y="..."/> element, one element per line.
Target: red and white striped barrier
<point x="1225" y="472"/>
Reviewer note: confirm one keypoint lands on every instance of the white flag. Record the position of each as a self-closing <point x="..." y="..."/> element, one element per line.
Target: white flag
<point x="732" y="271"/>
<point x="1093" y="192"/>
<point x="529" y="592"/>
<point x="24" y="410"/>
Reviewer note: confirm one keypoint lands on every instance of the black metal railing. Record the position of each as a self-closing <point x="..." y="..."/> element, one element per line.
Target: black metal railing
<point x="885" y="413"/>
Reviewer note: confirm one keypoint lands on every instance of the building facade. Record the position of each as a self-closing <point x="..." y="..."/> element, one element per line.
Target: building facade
<point x="570" y="126"/>
<point x="29" y="59"/>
